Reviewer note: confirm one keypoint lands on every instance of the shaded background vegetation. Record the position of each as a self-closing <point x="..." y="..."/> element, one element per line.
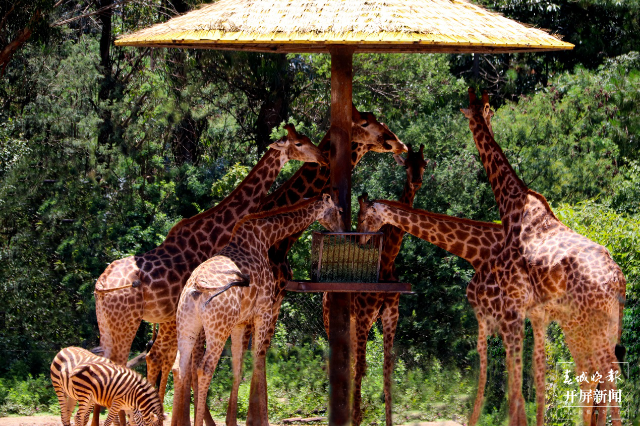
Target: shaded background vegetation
<point x="103" y="149"/>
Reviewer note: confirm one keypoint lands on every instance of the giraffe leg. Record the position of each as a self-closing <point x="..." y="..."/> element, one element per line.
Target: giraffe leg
<point x="389" y="320"/>
<point x="482" y="379"/>
<point x="258" y="414"/>
<point x="588" y="388"/>
<point x="275" y="312"/>
<point x="239" y="344"/>
<point x="161" y="357"/>
<point x="188" y="333"/>
<point x="512" y="337"/>
<point x="197" y="354"/>
<point x="539" y="365"/>
<point x="117" y="327"/>
<point x="607" y="363"/>
<point x="362" y="318"/>
<point x="205" y="373"/>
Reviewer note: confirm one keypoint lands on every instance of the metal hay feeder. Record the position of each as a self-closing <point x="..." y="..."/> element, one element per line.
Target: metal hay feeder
<point x="339" y="257"/>
<point x="340" y="263"/>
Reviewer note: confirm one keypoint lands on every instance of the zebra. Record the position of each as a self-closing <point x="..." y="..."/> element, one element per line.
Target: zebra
<point x="118" y="388"/>
<point x="79" y="375"/>
<point x="61" y="367"/>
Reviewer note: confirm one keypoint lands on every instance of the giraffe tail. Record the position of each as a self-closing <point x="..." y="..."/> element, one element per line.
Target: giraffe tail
<point x="153" y="338"/>
<point x="98" y="350"/>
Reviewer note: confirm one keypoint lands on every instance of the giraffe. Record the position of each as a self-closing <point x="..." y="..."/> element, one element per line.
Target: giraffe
<point x="148" y="286"/>
<point x="366" y="308"/>
<point x="487" y="324"/>
<point x="222" y="314"/>
<point x="571" y="279"/>
<point x="479" y="243"/>
<point x="368" y="135"/>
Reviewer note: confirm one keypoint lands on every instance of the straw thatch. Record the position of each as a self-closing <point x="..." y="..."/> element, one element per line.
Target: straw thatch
<point x="366" y="25"/>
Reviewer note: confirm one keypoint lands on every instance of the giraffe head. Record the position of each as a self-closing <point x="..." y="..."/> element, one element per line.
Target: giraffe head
<point x="487" y="112"/>
<point x="297" y="146"/>
<point x="479" y="110"/>
<point x="368" y="218"/>
<point x="331" y="216"/>
<point x="414" y="165"/>
<point x="373" y="135"/>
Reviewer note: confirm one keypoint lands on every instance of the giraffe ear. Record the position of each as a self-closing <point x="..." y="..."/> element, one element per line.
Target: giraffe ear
<point x="399" y="159"/>
<point x="466" y="112"/>
<point x="327" y="198"/>
<point x="421" y="151"/>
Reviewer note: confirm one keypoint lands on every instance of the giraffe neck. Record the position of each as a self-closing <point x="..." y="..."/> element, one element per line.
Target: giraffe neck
<point x="309" y="180"/>
<point x="507" y="187"/>
<point x="393" y="238"/>
<point x="206" y="233"/>
<point x="266" y="229"/>
<point x="468" y="239"/>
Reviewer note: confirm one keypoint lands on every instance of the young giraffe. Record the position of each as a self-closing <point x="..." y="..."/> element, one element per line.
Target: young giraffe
<point x="368" y="135"/>
<point x="221" y="314"/>
<point x="148" y="286"/>
<point x="366" y="308"/>
<point x="572" y="279"/>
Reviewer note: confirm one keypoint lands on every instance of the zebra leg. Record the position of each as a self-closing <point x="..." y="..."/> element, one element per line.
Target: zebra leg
<point x="114" y="411"/>
<point x="84" y="411"/>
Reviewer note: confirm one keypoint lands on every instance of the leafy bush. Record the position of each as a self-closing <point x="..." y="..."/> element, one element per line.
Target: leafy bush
<point x="27" y="397"/>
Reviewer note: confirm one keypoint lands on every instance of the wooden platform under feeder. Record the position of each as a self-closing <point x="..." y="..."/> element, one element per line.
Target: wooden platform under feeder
<point x="342" y="262"/>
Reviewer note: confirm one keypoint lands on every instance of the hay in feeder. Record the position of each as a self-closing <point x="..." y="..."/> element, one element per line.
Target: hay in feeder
<point x="339" y="257"/>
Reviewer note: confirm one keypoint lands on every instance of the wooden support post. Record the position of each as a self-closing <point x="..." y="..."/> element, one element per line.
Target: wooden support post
<point x="340" y="303"/>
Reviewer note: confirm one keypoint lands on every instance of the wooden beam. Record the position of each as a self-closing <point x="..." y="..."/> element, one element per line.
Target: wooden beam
<point x="340" y="153"/>
<point x="322" y="48"/>
<point x="340" y="303"/>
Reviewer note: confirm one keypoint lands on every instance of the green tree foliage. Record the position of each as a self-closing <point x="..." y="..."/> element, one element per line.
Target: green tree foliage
<point x="102" y="149"/>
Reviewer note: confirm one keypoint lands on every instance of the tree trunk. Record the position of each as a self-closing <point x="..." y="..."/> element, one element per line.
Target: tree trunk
<point x="275" y="109"/>
<point x="106" y="129"/>
<point x="23" y="36"/>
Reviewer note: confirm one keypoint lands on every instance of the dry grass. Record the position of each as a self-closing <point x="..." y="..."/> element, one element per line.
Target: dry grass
<point x="360" y="22"/>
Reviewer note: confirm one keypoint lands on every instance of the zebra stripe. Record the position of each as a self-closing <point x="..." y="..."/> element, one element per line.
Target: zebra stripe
<point x="61" y="367"/>
<point x="117" y="388"/>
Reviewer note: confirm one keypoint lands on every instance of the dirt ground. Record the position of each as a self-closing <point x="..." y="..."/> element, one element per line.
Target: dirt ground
<point x="39" y="421"/>
<point x="55" y="421"/>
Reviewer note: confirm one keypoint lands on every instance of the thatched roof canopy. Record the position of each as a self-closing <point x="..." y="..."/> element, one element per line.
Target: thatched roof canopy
<point x="365" y="25"/>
